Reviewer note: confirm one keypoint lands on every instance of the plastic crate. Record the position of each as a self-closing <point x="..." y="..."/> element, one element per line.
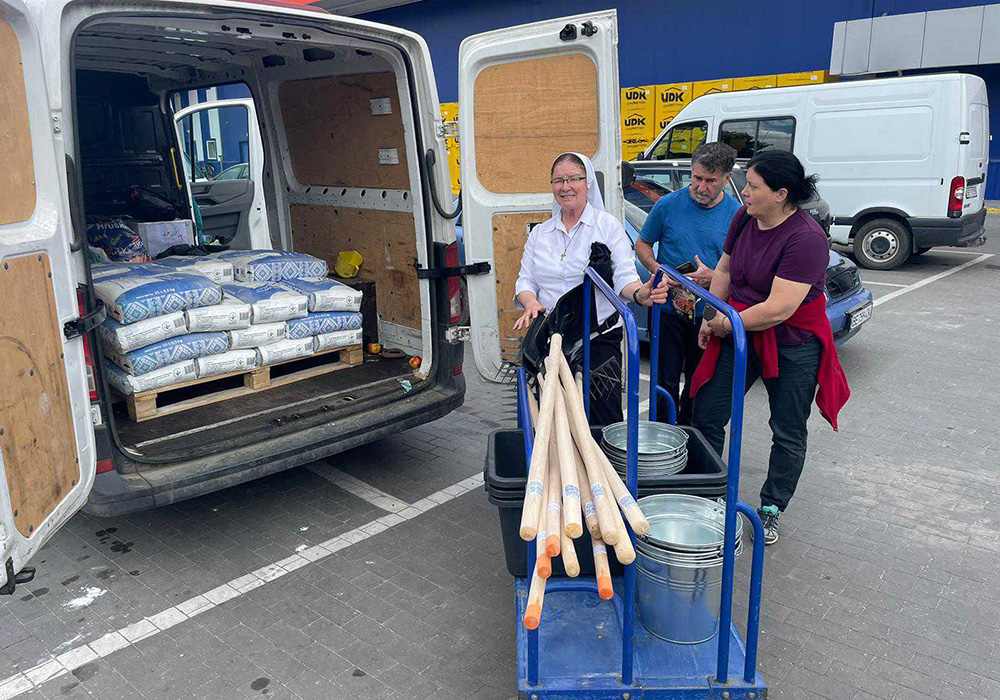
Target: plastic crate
<point x="506" y="474"/>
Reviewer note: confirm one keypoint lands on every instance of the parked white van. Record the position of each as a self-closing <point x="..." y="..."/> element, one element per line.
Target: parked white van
<point x="354" y="158"/>
<point x="901" y="161"/>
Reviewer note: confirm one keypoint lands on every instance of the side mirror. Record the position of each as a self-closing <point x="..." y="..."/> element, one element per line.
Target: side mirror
<point x="628" y="174"/>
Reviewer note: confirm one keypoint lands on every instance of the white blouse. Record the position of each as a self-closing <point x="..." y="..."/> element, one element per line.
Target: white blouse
<point x="554" y="259"/>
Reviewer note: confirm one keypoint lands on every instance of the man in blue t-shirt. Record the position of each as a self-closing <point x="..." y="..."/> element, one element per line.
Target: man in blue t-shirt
<point x="690" y="226"/>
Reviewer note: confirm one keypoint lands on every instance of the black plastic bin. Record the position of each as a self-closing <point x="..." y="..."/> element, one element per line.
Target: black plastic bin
<point x="506" y="473"/>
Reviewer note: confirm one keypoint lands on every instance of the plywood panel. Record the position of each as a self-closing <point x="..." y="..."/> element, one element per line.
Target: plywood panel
<point x="527" y="113"/>
<point x="386" y="240"/>
<point x="510" y="233"/>
<point x="17" y="168"/>
<point x="36" y="423"/>
<point x="333" y="138"/>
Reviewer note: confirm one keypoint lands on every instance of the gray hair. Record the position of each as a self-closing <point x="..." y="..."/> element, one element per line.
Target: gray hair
<point x="715" y="156"/>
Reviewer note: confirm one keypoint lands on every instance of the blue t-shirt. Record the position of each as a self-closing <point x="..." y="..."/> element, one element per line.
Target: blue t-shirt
<point x="684" y="228"/>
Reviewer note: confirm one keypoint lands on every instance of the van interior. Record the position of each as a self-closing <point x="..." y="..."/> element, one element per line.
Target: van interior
<point x="339" y="174"/>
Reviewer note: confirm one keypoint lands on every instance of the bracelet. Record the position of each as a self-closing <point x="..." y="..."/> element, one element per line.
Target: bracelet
<point x="635" y="296"/>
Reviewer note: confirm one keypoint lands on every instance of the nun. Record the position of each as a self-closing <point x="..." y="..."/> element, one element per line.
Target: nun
<point x="555" y="256"/>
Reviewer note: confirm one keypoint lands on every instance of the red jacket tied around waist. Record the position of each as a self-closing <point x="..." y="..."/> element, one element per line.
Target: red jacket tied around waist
<point x="833" y="390"/>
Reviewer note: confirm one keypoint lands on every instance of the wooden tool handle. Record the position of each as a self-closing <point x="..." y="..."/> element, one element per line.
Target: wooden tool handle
<point x="570" y="560"/>
<point x="622" y="496"/>
<point x="536" y="597"/>
<point x="589" y="512"/>
<point x="572" y="522"/>
<point x="533" y="493"/>
<point x="581" y="434"/>
<point x="624" y="551"/>
<point x="543" y="562"/>
<point x="553" y="505"/>
<point x="602" y="570"/>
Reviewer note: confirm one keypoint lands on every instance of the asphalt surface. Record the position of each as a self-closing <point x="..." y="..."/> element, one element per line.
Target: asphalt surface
<point x="380" y="574"/>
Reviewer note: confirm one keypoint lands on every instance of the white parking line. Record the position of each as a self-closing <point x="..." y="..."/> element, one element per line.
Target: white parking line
<point x="929" y="280"/>
<point x="357" y="487"/>
<point x="883" y="284"/>
<point x="152" y="625"/>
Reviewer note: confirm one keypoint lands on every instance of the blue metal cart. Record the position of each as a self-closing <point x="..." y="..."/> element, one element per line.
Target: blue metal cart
<point x="587" y="649"/>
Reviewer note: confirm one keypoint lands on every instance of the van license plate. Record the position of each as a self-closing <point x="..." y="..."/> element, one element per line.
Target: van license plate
<point x="971" y="191"/>
<point x="859" y="316"/>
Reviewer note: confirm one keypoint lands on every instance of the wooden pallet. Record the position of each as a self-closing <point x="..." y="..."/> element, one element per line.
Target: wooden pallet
<point x="143" y="405"/>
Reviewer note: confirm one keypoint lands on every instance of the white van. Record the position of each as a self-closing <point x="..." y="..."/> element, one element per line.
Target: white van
<point x="901" y="161"/>
<point x="354" y="159"/>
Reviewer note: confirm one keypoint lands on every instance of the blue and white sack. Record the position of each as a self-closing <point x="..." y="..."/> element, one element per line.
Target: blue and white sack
<point x="120" y="339"/>
<point x="269" y="302"/>
<point x="170" y="351"/>
<point x="105" y="271"/>
<point x="170" y="375"/>
<point x="276" y="266"/>
<point x="219" y="271"/>
<point x="230" y="315"/>
<point x="131" y="298"/>
<point x="256" y="336"/>
<point x="232" y="361"/>
<point x="326" y="294"/>
<point x="323" y="322"/>
<point x="285" y="350"/>
<point x="338" y="339"/>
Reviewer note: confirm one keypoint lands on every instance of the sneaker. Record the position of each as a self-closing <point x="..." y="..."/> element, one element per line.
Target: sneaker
<point x="769" y="517"/>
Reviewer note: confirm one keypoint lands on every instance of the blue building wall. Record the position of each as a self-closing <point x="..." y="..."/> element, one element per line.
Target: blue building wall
<point x="664" y="42"/>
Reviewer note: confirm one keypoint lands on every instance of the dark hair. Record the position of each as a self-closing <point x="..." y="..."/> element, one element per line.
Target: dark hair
<point x="716" y="156"/>
<point x="781" y="169"/>
<point x="567" y="158"/>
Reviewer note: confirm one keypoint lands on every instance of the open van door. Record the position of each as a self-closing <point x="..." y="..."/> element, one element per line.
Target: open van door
<point x="527" y="94"/>
<point x="46" y="438"/>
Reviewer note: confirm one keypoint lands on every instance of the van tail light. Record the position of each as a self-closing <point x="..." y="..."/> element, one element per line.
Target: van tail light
<point x="956" y="197"/>
<point x="88" y="352"/>
<point x="454" y="284"/>
<point x="105" y="465"/>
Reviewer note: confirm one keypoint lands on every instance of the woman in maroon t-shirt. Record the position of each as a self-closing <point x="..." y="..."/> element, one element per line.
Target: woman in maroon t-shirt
<point x="774" y="261"/>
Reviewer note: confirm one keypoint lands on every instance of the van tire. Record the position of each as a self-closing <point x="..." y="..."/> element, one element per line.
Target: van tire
<point x="882" y="244"/>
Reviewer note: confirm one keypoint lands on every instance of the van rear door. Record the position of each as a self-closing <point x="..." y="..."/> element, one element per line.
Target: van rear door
<point x="46" y="438"/>
<point x="526" y="95"/>
<point x="975" y="143"/>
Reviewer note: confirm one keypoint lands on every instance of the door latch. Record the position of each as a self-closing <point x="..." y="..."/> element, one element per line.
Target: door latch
<point x="447" y="130"/>
<point x="458" y="334"/>
<point x="25" y="575"/>
<point x="427" y="273"/>
<point x="85" y="324"/>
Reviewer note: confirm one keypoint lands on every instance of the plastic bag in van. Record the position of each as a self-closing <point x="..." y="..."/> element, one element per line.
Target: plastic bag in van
<point x="285" y="350"/>
<point x="167" y="352"/>
<point x="323" y="322"/>
<point x="230" y="315"/>
<point x="117" y="240"/>
<point x="131" y="298"/>
<point x="219" y="271"/>
<point x="269" y="302"/>
<point x="127" y="383"/>
<point x="118" y="338"/>
<point x="338" y="339"/>
<point x="256" y="336"/>
<point x="326" y="294"/>
<point x="276" y="266"/>
<point x="232" y="361"/>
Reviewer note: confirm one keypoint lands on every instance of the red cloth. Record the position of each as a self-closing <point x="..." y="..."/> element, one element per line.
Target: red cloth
<point x="833" y="389"/>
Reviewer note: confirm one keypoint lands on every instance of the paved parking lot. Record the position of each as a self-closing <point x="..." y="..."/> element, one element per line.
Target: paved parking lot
<point x="379" y="573"/>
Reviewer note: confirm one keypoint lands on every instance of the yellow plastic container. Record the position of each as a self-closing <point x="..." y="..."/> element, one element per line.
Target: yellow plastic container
<point x="348" y="263"/>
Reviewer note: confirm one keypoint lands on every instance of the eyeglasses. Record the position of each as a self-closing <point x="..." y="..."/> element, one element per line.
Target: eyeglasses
<point x="560" y="181"/>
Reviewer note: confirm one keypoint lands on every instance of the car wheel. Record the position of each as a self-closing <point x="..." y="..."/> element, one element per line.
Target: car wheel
<point x="882" y="244"/>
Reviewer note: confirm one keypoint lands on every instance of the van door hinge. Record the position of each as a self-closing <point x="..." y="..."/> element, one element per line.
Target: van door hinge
<point x="458" y="334"/>
<point x="85" y="324"/>
<point x="447" y="130"/>
<point x="427" y="273"/>
<point x="25" y="575"/>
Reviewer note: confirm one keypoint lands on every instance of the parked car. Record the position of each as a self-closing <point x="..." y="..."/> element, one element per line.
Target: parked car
<point x="902" y="161"/>
<point x="849" y="303"/>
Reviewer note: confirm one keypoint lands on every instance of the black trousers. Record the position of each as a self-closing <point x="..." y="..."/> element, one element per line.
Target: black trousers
<point x="679" y="353"/>
<point x="606" y="378"/>
<point x="790" y="396"/>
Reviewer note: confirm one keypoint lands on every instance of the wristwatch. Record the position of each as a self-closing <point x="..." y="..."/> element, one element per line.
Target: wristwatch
<point x="710" y="312"/>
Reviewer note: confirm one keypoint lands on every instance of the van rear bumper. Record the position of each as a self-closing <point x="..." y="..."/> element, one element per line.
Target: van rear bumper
<point x="143" y="487"/>
<point x="963" y="231"/>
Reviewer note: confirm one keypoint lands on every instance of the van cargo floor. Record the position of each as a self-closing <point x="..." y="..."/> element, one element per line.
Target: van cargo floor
<point x="195" y="431"/>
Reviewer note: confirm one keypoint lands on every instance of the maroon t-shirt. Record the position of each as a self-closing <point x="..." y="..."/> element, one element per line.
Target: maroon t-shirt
<point x="795" y="250"/>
